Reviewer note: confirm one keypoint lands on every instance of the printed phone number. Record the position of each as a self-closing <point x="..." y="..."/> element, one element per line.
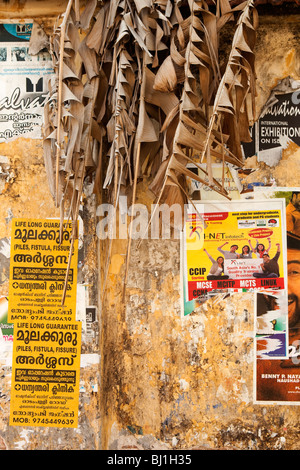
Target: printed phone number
<point x="46" y="421"/>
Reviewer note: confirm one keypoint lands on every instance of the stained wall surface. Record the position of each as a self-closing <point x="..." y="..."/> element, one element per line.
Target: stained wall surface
<point x="26" y="195"/>
<point x="152" y="379"/>
<point x="187" y="383"/>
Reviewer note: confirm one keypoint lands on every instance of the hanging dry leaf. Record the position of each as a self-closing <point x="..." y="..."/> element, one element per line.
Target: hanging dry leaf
<point x="165" y="78"/>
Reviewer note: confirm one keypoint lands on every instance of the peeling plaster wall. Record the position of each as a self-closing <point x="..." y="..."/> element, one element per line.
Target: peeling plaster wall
<point x="181" y="383"/>
<point x="24" y="193"/>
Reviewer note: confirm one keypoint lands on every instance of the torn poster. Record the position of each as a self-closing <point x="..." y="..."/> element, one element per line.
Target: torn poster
<point x="24" y="80"/>
<point x="277" y="380"/>
<point x="277" y="125"/>
<point x="271" y="337"/>
<point x="6" y="329"/>
<point x="277" y="375"/>
<point x="292" y="202"/>
<point x="242" y="248"/>
<point x="224" y="174"/>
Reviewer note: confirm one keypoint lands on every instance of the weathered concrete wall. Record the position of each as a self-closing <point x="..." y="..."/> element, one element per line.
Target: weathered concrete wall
<point x="24" y="193"/>
<point x="165" y="381"/>
<point x="16" y="9"/>
<point x="187" y="383"/>
<point x="182" y="383"/>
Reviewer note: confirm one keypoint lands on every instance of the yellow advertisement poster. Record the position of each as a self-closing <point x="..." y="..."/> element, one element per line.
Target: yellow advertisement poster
<point x="38" y="267"/>
<point x="234" y="246"/>
<point x="45" y="374"/>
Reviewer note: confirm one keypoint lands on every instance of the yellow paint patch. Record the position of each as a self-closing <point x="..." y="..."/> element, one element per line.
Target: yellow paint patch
<point x="116" y="263"/>
<point x="290" y="57"/>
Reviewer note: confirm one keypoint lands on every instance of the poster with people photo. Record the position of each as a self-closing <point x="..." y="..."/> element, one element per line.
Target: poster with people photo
<point x="277" y="367"/>
<point x="231" y="247"/>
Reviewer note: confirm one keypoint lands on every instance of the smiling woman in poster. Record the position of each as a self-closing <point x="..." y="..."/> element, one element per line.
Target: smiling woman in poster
<point x="260" y="249"/>
<point x="217" y="268"/>
<point x="246" y="251"/>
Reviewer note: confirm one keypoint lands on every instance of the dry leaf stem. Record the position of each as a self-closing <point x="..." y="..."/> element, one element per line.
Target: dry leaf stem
<point x="59" y="104"/>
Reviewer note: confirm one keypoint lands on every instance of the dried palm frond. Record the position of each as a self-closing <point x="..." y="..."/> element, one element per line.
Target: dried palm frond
<point x="69" y="117"/>
<point x="192" y="131"/>
<point x="237" y="83"/>
<point x="140" y="91"/>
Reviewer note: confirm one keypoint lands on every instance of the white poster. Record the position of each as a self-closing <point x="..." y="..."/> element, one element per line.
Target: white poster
<point x="24" y="80"/>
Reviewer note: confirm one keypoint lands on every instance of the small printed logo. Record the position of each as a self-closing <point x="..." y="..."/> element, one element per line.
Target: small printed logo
<point x="195" y="231"/>
<point x="34" y="87"/>
<point x="261" y="223"/>
<point x="246" y="224"/>
<point x="273" y="223"/>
